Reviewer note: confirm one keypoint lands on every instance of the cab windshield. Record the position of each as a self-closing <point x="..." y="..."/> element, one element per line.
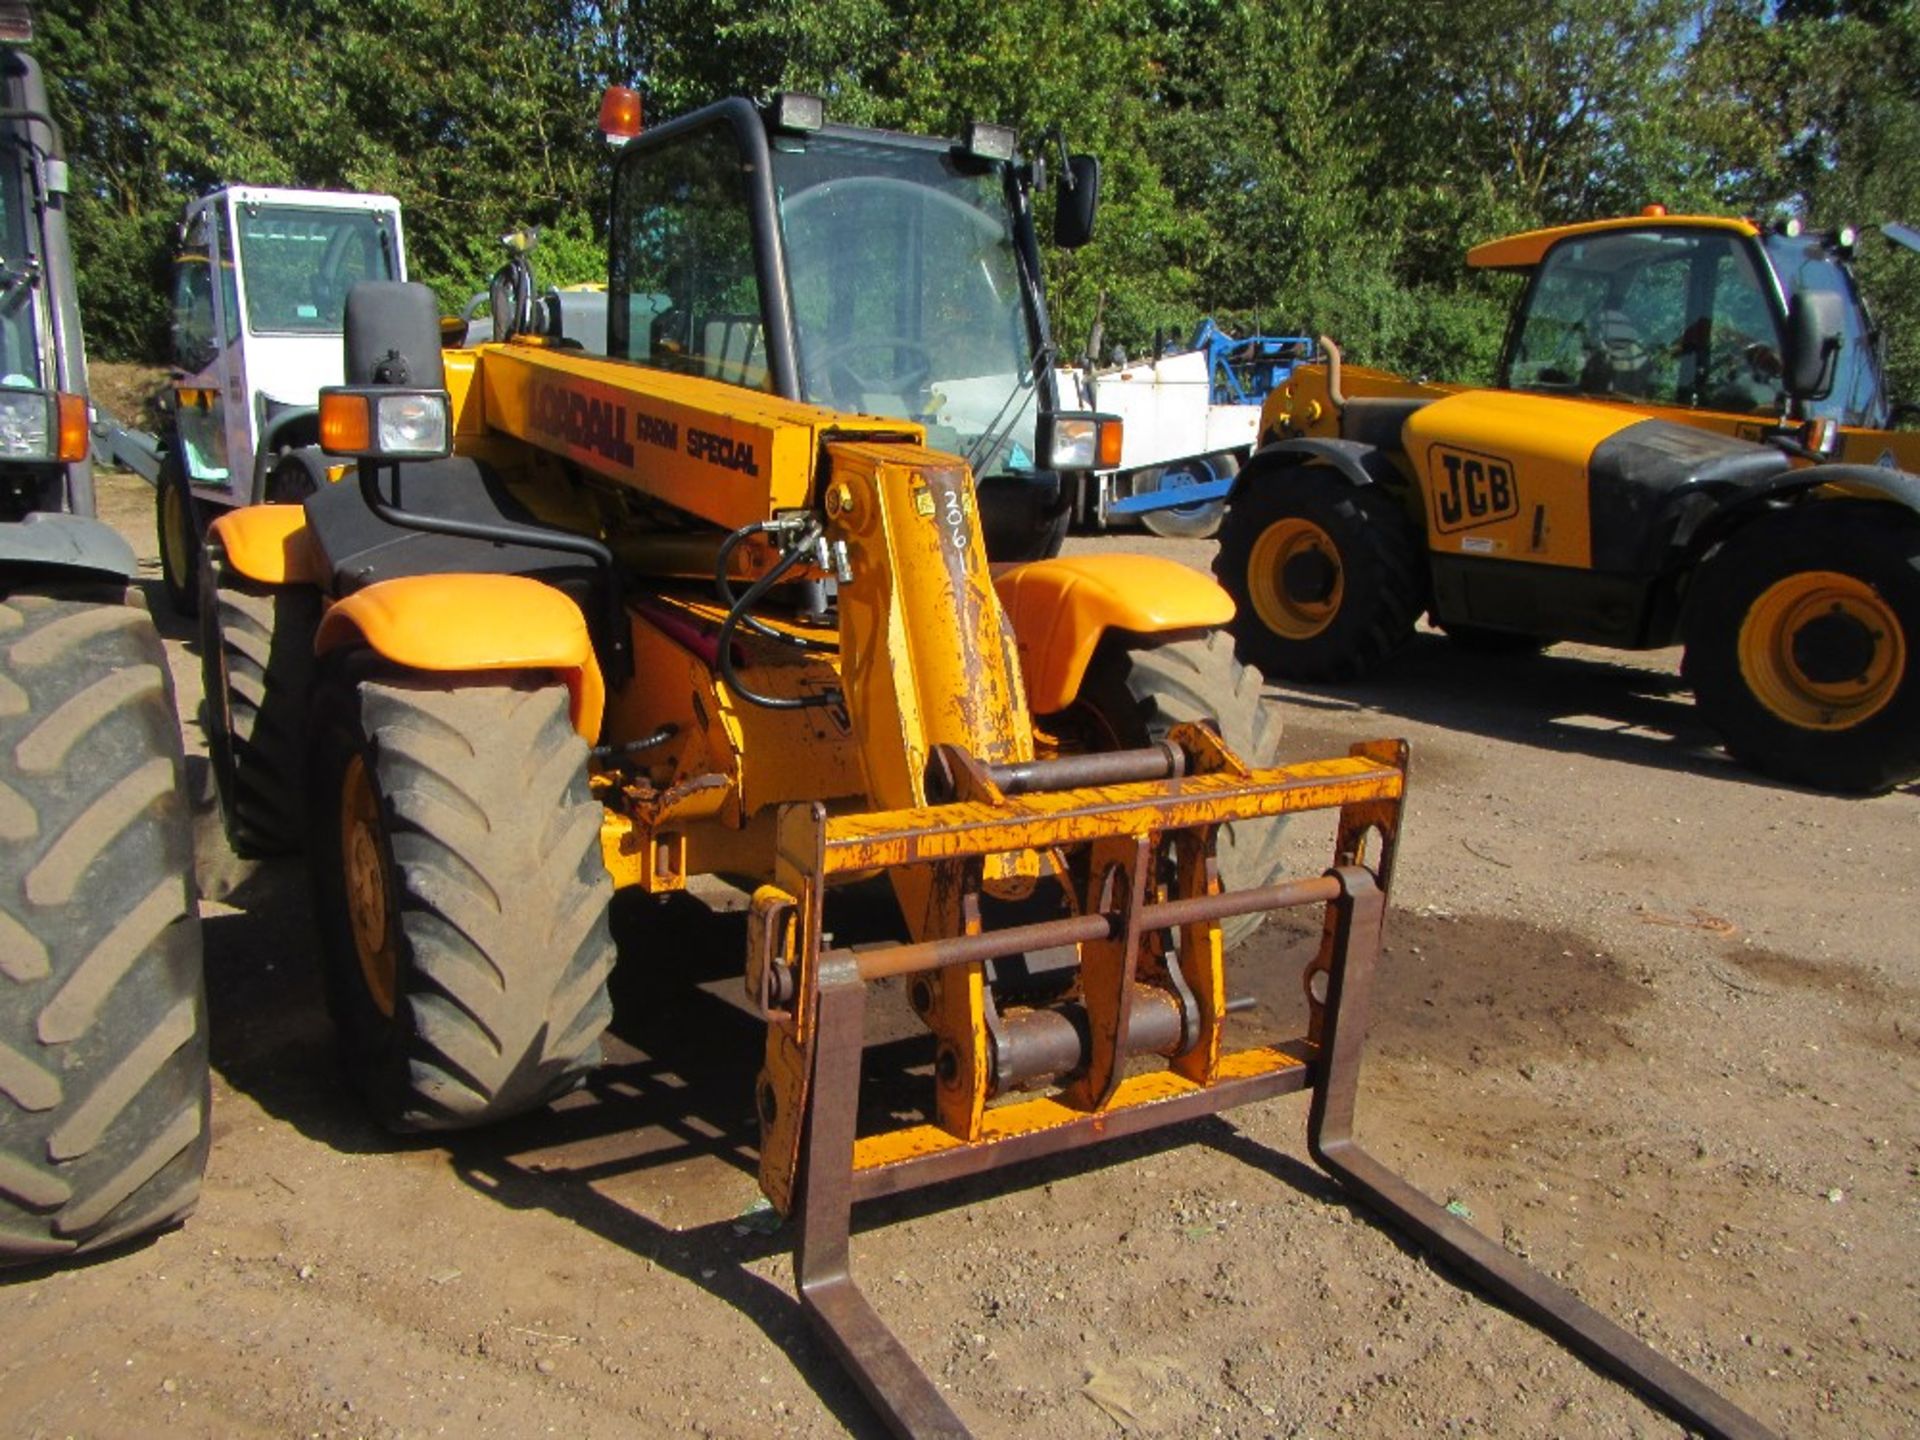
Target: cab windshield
<point x="906" y="291"/>
<point x="299" y="264"/>
<point x="1680" y="317"/>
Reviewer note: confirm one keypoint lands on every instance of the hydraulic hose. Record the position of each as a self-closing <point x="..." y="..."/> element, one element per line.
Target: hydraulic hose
<point x="738" y="615"/>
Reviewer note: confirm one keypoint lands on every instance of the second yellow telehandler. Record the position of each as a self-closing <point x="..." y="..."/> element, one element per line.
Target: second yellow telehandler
<point x="1688" y="442"/>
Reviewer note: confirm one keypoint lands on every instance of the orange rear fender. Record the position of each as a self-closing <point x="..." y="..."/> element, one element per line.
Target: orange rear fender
<point x="474" y="622"/>
<point x="1061" y="608"/>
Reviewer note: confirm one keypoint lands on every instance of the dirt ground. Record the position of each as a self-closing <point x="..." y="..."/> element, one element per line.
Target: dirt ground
<point x="1649" y="1019"/>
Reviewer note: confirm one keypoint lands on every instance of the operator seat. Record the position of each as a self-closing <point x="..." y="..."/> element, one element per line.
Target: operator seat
<point x="1617" y="357"/>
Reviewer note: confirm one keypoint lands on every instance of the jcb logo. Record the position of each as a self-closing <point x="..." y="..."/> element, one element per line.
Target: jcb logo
<point x="1470" y="490"/>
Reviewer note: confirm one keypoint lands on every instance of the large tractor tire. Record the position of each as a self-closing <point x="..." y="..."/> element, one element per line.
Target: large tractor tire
<point x="1137" y="688"/>
<point x="1803" y="645"/>
<point x="103" y="1021"/>
<point x="177" y="527"/>
<point x="1327" y="577"/>
<point x="459" y="889"/>
<point x="256" y="662"/>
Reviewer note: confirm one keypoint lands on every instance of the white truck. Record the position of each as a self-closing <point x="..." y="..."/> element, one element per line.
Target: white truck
<point x="259" y="288"/>
<point x="1191" y="417"/>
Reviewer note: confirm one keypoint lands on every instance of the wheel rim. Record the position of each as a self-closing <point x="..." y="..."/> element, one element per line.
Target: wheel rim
<point x="1182" y="477"/>
<point x="1822" y="650"/>
<point x="174" y="542"/>
<point x="363" y="861"/>
<point x="1287" y="605"/>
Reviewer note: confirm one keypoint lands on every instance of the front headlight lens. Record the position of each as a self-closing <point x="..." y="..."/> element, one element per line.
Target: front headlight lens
<point x="26" y="422"/>
<point x="412" y="424"/>
<point x="1076" y="440"/>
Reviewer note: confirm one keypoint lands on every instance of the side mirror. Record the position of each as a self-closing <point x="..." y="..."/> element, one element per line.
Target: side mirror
<point x="1077" y="200"/>
<point x="1816" y="321"/>
<point x="392" y="335"/>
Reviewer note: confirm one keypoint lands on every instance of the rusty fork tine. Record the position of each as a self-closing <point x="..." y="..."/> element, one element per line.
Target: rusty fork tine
<point x="893" y="1382"/>
<point x="1515" y="1284"/>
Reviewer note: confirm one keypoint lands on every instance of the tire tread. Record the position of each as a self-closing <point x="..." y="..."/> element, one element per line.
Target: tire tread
<point x="104" y="1084"/>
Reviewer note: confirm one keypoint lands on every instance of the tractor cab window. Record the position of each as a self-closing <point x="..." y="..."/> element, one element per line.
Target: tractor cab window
<point x="299" y="264"/>
<point x="19" y="348"/>
<point x="684" y="260"/>
<point x="193" y="331"/>
<point x="1676" y="317"/>
<point x="906" y="289"/>
<point x="1859" y="395"/>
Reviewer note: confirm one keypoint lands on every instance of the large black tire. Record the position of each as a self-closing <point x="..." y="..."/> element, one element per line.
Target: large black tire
<point x="1803" y="645"/>
<point x="461" y="898"/>
<point x="1137" y="688"/>
<point x="256" y="664"/>
<point x="178" y="526"/>
<point x="103" y="1022"/>
<point x="1327" y="577"/>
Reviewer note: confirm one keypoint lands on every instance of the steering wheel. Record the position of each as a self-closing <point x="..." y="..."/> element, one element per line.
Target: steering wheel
<point x="845" y="380"/>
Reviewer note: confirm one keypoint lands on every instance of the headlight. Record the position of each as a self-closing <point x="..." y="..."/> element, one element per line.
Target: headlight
<point x="26" y="422"/>
<point x="1083" y="442"/>
<point x="382" y="423"/>
<point x="989" y="142"/>
<point x="411" y="424"/>
<point x="792" y="111"/>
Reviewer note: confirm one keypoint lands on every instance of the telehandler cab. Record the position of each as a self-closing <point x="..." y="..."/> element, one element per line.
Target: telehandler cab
<point x="709" y="604"/>
<point x="1688" y="441"/>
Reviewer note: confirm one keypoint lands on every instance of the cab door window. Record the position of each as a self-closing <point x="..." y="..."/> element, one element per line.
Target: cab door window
<point x="193" y="327"/>
<point x="684" y="261"/>
<point x="1736" y="347"/>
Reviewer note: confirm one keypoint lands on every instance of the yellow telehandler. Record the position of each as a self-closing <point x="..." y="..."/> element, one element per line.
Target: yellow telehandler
<point x="1689" y="441"/>
<point x="689" y="579"/>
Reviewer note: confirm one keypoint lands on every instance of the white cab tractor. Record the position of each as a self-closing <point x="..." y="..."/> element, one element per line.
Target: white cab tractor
<point x="259" y="294"/>
<point x="1191" y="416"/>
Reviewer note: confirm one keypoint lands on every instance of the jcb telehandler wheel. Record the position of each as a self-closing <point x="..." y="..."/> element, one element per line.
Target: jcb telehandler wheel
<point x="1138" y="688"/>
<point x="103" y="1022"/>
<point x="1803" y="645"/>
<point x="462" y="902"/>
<point x="1326" y="577"/>
<point x="176" y="523"/>
<point x="256" y="661"/>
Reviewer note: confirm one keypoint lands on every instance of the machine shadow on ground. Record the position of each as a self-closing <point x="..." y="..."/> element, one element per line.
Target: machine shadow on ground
<point x="677" y="1086"/>
<point x="1566" y="699"/>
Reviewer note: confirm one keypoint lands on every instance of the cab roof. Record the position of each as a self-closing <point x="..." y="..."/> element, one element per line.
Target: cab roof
<point x="1523" y="252"/>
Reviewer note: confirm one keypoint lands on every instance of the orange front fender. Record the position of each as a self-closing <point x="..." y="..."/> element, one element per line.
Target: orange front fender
<point x="474" y="622"/>
<point x="269" y="544"/>
<point x="1061" y="608"/>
